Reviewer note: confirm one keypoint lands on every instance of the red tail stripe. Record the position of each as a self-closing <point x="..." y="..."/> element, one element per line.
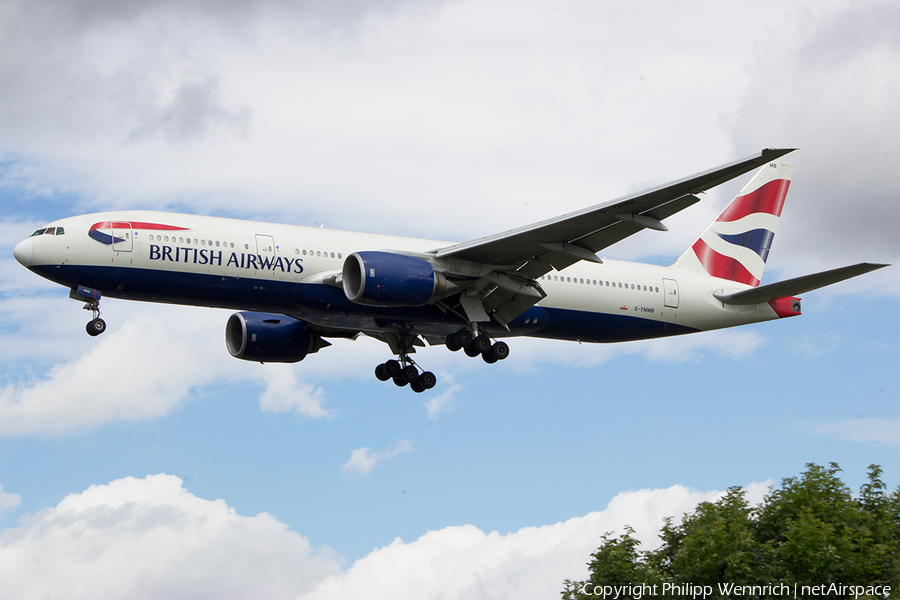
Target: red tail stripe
<point x="721" y="266"/>
<point x="767" y="199"/>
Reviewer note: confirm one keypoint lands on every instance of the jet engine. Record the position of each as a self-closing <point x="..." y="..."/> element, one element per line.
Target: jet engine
<point x="264" y="337"/>
<point x="389" y="279"/>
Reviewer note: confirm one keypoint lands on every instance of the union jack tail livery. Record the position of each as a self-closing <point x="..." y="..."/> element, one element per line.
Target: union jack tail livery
<point x="736" y="245"/>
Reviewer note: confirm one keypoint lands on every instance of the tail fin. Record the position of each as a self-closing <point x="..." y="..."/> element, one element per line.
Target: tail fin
<point x="736" y="245"/>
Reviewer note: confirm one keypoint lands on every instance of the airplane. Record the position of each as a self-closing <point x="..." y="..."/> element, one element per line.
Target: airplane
<point x="295" y="287"/>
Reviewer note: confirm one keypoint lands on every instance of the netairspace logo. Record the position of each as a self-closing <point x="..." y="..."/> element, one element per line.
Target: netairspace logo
<point x="690" y="590"/>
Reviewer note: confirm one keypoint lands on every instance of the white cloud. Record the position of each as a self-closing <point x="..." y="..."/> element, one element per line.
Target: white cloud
<point x="285" y="394"/>
<point x="813" y="346"/>
<point x="151" y="538"/>
<point x="465" y="562"/>
<point x="136" y="371"/>
<point x="150" y="360"/>
<point x="550" y="108"/>
<point x="441" y="402"/>
<point x="882" y="432"/>
<point x="363" y="460"/>
<point x="827" y="82"/>
<point x="8" y="500"/>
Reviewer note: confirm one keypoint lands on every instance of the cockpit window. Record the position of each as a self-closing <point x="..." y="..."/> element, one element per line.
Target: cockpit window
<point x="38" y="232"/>
<point x="50" y="231"/>
<point x="60" y="231"/>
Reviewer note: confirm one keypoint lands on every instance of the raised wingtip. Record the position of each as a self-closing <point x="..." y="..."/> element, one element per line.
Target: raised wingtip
<point x="772" y="153"/>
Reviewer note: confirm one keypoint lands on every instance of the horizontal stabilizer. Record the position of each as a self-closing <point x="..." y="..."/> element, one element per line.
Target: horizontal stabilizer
<point x="793" y="287"/>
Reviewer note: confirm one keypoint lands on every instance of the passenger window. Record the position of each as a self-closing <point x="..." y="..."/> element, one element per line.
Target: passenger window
<point x="339" y="255"/>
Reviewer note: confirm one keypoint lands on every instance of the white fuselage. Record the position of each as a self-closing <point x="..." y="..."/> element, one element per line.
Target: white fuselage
<point x="248" y="265"/>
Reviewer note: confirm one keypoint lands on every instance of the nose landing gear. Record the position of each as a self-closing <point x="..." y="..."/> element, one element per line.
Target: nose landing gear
<point x="91" y="299"/>
<point x="95" y="326"/>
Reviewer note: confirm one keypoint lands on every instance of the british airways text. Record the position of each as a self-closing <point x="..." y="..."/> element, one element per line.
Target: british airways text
<point x="202" y="256"/>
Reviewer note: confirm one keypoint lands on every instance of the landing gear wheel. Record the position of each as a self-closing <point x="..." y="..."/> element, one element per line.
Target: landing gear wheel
<point x="488" y="357"/>
<point x="499" y="351"/>
<point x="463" y="337"/>
<point x="381" y="374"/>
<point x="451" y="343"/>
<point x="472" y="351"/>
<point x="417" y="386"/>
<point x="409" y="374"/>
<point x="399" y="381"/>
<point x="428" y="380"/>
<point x="481" y="343"/>
<point x="95" y="327"/>
<point x="392" y="368"/>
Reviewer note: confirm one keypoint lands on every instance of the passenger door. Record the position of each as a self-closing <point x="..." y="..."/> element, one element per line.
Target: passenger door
<point x="265" y="245"/>
<point x="121" y="233"/>
<point x="670" y="287"/>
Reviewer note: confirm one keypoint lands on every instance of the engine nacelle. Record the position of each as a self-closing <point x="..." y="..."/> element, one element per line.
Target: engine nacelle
<point x="263" y="337"/>
<point x="388" y="279"/>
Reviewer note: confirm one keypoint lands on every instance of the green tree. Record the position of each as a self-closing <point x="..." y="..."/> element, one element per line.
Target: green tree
<point x="809" y="531"/>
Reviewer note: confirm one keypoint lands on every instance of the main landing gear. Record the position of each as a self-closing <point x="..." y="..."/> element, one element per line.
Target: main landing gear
<point x="404" y="372"/>
<point x="475" y="344"/>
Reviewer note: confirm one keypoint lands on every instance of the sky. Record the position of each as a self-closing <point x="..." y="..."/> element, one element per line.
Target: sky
<point x="149" y="463"/>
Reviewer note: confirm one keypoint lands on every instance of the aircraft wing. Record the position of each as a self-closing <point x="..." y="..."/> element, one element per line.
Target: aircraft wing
<point x="564" y="240"/>
<point x="513" y="260"/>
<point x="793" y="287"/>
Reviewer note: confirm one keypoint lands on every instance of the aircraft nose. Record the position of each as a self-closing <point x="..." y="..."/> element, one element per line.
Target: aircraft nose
<point x="23" y="251"/>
